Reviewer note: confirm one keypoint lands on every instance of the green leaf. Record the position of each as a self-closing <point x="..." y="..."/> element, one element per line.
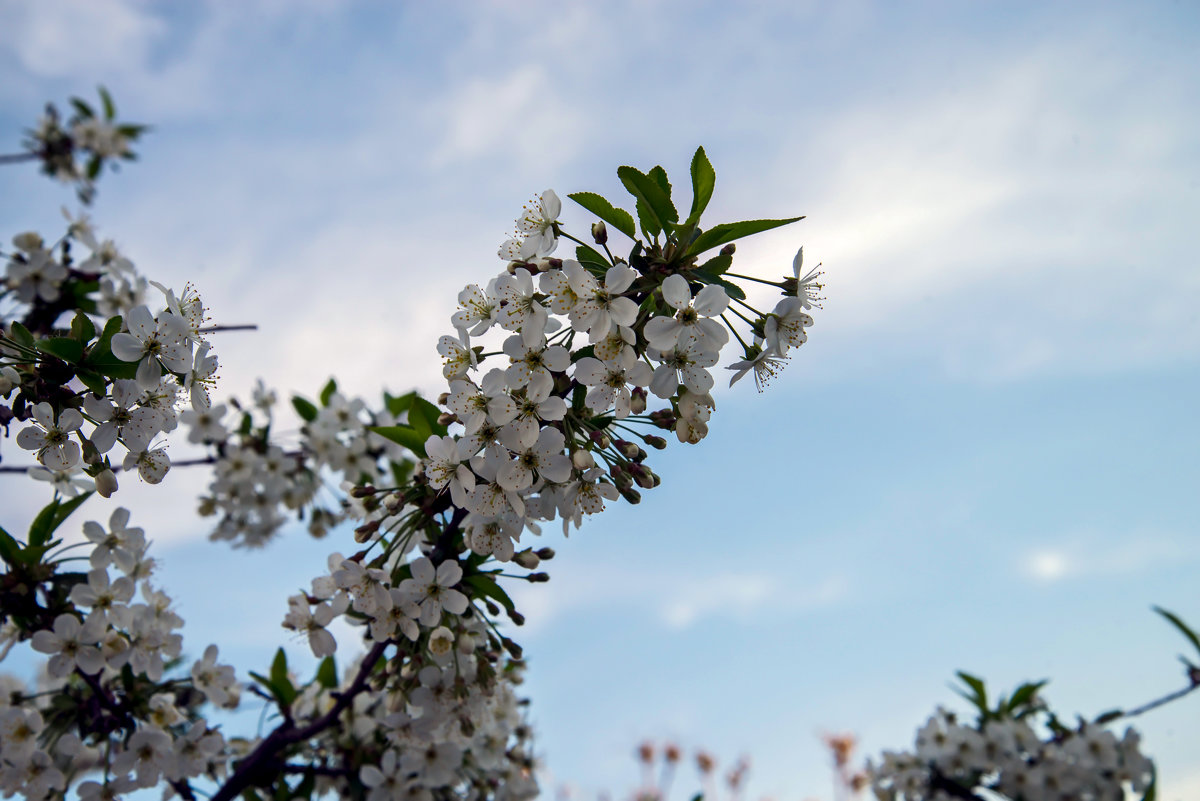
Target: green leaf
<point x="704" y="178"/>
<point x="281" y="685"/>
<point x="404" y="435"/>
<point x="717" y="265"/>
<point x="93" y="167"/>
<point x="589" y="257"/>
<point x="978" y="694"/>
<point x="731" y="289"/>
<point x="327" y="673"/>
<point x="1179" y="624"/>
<point x="1025" y="694"/>
<point x="486" y="586"/>
<point x="327" y="392"/>
<point x="727" y="232"/>
<point x="65" y="348"/>
<point x="100" y="358"/>
<point x="279" y="667"/>
<point x="1152" y="790"/>
<point x="51" y="517"/>
<point x="10" y="549"/>
<point x="82" y="328"/>
<point x="21" y="334"/>
<point x="617" y="218"/>
<point x="402" y="471"/>
<point x="398" y="405"/>
<point x="132" y="132"/>
<point x="423" y="416"/>
<point x="82" y="108"/>
<point x="110" y="109"/>
<point x="660" y="177"/>
<point x="304" y="408"/>
<point x="654" y="202"/>
<point x="93" y="381"/>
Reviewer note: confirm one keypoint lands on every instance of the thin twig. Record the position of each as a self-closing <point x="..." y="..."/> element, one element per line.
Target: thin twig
<point x="1166" y="699"/>
<point x="214" y="329"/>
<point x="17" y="158"/>
<point x="116" y="468"/>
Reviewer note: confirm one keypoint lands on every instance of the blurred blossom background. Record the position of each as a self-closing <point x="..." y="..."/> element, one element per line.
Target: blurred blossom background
<point x="985" y="458"/>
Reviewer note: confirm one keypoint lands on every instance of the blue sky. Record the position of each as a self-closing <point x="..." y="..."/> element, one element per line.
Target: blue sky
<point x="985" y="457"/>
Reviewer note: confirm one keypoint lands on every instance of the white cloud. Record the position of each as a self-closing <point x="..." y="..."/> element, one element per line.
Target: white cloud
<point x="515" y="116"/>
<point x="74" y="38"/>
<point x="1087" y="556"/>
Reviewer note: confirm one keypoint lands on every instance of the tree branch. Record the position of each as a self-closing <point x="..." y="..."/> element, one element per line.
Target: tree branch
<point x="17" y="158"/>
<point x="287" y="733"/>
<point x="118" y="468"/>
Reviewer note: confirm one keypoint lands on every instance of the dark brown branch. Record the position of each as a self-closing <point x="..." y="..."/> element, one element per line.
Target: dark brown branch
<point x="287" y="733"/>
<point x="17" y="158"/>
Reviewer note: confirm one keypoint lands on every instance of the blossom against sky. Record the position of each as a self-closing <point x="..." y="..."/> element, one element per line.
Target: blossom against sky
<point x="984" y="456"/>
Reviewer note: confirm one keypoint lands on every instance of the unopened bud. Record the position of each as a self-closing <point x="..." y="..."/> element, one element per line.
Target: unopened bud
<point x="363" y="492"/>
<point x="601" y="439"/>
<point x="493" y="610"/>
<point x="627" y="448"/>
<point x="631" y="495"/>
<point x="599" y="233"/>
<point x="545" y="554"/>
<point x="538" y="578"/>
<point x="664" y="419"/>
<point x="446" y="418"/>
<point x="513" y="648"/>
<point x="443" y="399"/>
<point x="622" y="481"/>
<point x="729" y="249"/>
<point x="516" y="617"/>
<point x="583" y="460"/>
<point x="366" y="531"/>
<point x="658" y="443"/>
<point x="637" y="403"/>
<point x="527" y="559"/>
<point x="106" y="483"/>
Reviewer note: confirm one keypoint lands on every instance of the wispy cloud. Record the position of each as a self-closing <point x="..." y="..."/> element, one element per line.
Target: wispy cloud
<point x="1090" y="556"/>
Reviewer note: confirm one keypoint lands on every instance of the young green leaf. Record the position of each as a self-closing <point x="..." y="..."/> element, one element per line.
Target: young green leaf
<point x="65" y="348"/>
<point x="487" y="587"/>
<point x="1179" y="624"/>
<point x="83" y="329"/>
<point x="704" y="178"/>
<point x="305" y="408"/>
<point x="727" y="232"/>
<point x="404" y="435"/>
<point x="110" y="108"/>
<point x="10" y="549"/>
<point x="51" y="517"/>
<point x="589" y="257"/>
<point x="21" y="334"/>
<point x="978" y="694"/>
<point x="651" y="195"/>
<point x="617" y="218"/>
<point x="327" y="392"/>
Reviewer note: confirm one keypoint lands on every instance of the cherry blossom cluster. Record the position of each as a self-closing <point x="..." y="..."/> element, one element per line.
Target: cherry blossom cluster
<point x="75" y="150"/>
<point x="588" y="343"/>
<point x="1006" y="755"/>
<point x="261" y="480"/>
<point x="108" y="636"/>
<point x="118" y="372"/>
